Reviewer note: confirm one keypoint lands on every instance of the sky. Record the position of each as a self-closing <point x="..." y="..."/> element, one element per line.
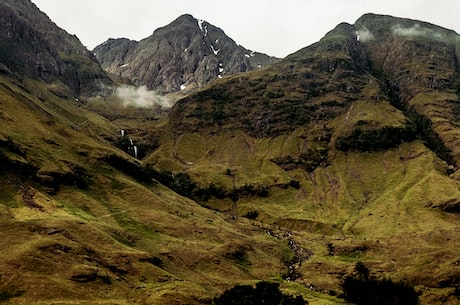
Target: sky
<point x="274" y="27"/>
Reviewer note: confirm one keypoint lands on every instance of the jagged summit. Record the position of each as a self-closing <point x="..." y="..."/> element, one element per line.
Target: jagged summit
<point x="32" y="45"/>
<point x="186" y="54"/>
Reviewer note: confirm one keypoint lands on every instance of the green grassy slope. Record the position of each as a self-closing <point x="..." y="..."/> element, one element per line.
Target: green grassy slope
<point x="383" y="208"/>
<point x="77" y="230"/>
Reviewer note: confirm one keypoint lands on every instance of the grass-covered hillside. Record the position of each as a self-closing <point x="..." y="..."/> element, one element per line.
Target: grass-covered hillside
<point x="83" y="222"/>
<point x="349" y="143"/>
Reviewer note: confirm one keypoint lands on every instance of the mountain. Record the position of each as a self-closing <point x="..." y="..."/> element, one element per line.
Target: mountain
<point x="32" y="45"/>
<point x="341" y="155"/>
<point x="350" y="142"/>
<point x="186" y="54"/>
<point x="409" y="67"/>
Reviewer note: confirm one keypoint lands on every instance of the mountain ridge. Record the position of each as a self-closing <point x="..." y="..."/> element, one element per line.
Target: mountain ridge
<point x="357" y="64"/>
<point x="187" y="53"/>
<point x="33" y="45"/>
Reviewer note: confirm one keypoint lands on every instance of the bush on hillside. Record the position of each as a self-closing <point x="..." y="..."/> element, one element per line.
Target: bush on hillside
<point x="264" y="293"/>
<point x="361" y="288"/>
<point x="376" y="140"/>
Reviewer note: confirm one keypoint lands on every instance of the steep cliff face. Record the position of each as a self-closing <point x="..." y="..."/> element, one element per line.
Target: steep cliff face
<point x="279" y="98"/>
<point x="186" y="54"/>
<point x="112" y="54"/>
<point x="32" y="45"/>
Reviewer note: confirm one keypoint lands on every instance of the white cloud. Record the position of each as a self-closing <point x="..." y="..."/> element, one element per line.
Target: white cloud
<point x="365" y="35"/>
<point x="141" y="97"/>
<point x="416" y="30"/>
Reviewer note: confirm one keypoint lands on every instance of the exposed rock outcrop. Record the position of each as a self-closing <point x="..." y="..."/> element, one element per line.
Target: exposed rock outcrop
<point x="32" y="45"/>
<point x="184" y="55"/>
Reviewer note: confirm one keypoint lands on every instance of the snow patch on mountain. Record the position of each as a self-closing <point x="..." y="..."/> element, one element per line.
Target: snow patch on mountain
<point x="214" y="50"/>
<point x="200" y="24"/>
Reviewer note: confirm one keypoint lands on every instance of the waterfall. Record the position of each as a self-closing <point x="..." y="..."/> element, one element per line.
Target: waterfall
<point x="129" y="147"/>
<point x="133" y="150"/>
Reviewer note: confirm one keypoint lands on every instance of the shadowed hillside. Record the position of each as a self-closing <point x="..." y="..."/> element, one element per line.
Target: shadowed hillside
<point x="32" y="45"/>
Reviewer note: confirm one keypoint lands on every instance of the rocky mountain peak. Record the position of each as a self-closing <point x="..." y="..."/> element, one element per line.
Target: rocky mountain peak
<point x="184" y="55"/>
<point x="32" y="45"/>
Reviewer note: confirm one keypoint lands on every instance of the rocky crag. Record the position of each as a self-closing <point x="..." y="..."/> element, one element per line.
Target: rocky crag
<point x="184" y="55"/>
<point x="32" y="45"/>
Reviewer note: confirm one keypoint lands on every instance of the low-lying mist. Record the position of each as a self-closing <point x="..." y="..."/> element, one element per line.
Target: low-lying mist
<point x="141" y="97"/>
<point x="130" y="102"/>
<point x="418" y="30"/>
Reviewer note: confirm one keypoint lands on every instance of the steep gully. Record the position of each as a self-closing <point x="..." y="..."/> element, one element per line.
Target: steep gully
<point x="424" y="127"/>
<point x="394" y="89"/>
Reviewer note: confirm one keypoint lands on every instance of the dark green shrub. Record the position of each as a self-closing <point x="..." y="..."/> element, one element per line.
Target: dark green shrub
<point x="363" y="289"/>
<point x="330" y="249"/>
<point x="240" y="257"/>
<point x="376" y="140"/>
<point x="295" y="184"/>
<point x="252" y="215"/>
<point x="264" y="293"/>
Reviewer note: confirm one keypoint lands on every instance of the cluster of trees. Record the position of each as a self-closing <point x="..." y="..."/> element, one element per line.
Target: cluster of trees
<point x="361" y="288"/>
<point x="264" y="293"/>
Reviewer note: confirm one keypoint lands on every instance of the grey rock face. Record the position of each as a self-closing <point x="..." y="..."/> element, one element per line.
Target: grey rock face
<point x="186" y="54"/>
<point x="32" y="45"/>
